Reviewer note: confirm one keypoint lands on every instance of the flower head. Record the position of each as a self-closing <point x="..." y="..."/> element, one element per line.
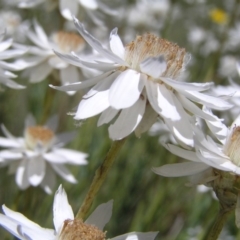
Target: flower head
<point x="43" y="61"/>
<point x="66" y="227"/>
<point x="5" y="54"/>
<point x="36" y="156"/>
<point x="140" y="82"/>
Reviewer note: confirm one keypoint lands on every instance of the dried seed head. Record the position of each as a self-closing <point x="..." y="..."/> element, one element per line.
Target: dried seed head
<point x="78" y="230"/>
<point x="232" y="147"/>
<point x="150" y="45"/>
<point x="68" y="42"/>
<point x="39" y="135"/>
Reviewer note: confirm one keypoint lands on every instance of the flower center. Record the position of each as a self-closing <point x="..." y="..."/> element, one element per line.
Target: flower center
<point x="78" y="230"/>
<point x="232" y="148"/>
<point x="150" y="45"/>
<point x="68" y="42"/>
<point x="38" y="136"/>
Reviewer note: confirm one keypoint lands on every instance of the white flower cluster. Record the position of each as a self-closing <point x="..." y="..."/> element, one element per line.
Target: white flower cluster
<point x="136" y="84"/>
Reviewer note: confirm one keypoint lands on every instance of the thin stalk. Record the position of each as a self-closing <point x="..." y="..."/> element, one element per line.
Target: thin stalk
<point x="48" y="100"/>
<point x="218" y="224"/>
<point x="100" y="176"/>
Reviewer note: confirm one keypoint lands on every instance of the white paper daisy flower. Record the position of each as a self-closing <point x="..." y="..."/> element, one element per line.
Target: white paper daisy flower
<point x="38" y="156"/>
<point x="43" y="60"/>
<point x="66" y="227"/>
<point x="140" y="82"/>
<point x="5" y="54"/>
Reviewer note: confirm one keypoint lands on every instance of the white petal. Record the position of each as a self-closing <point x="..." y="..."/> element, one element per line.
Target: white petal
<point x="36" y="170"/>
<point x="5" y="44"/>
<point x="68" y="8"/>
<point x="55" y="158"/>
<point x="9" y="224"/>
<point x="126" y="89"/>
<point x="12" y="53"/>
<point x="191" y="107"/>
<point x="41" y="34"/>
<point x="154" y="66"/>
<point x="137" y="236"/>
<point x="96" y="100"/>
<point x="180" y="152"/>
<point x="61" y="209"/>
<point x="161" y="100"/>
<point x="21" y="175"/>
<point x="107" y="116"/>
<point x="64" y="173"/>
<point x="180" y="169"/>
<point x="79" y="62"/>
<point x="57" y="62"/>
<point x="181" y="129"/>
<point x="216" y="126"/>
<point x="116" y="44"/>
<point x="95" y="44"/>
<point x="185" y="86"/>
<point x="210" y="101"/>
<point x="84" y="84"/>
<point x="11" y="84"/>
<point x="71" y="156"/>
<point x="9" y="143"/>
<point x="10" y="155"/>
<point x="36" y="233"/>
<point x="216" y="161"/>
<point x="90" y="4"/>
<point x="128" y="120"/>
<point x="40" y="72"/>
<point x="6" y="132"/>
<point x="20" y="218"/>
<point x="101" y="215"/>
<point x="49" y="180"/>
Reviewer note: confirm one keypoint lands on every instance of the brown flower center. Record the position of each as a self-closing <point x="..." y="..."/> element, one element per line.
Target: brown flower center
<point x="38" y="135"/>
<point x="232" y="148"/>
<point x="78" y="230"/>
<point x="150" y="45"/>
<point x="68" y="42"/>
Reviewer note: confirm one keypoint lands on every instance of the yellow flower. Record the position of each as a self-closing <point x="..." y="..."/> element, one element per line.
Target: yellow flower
<point x="218" y="16"/>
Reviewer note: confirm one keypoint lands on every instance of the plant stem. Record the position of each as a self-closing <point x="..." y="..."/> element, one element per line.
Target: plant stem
<point x="99" y="178"/>
<point x="218" y="224"/>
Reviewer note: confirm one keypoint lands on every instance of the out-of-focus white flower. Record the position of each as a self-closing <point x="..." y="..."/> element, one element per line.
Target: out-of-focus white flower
<point x="233" y="41"/>
<point x="11" y="20"/>
<point x="148" y="14"/>
<point x="227" y="66"/>
<point x="5" y="54"/>
<point x="140" y="81"/>
<point x="94" y="9"/>
<point x="196" y="35"/>
<point x="66" y="227"/>
<point x="36" y="157"/>
<point x="233" y="91"/>
<point x="44" y="61"/>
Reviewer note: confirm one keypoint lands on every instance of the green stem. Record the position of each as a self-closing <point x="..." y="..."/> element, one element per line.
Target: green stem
<point x="100" y="176"/>
<point x="218" y="224"/>
<point x="48" y="100"/>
